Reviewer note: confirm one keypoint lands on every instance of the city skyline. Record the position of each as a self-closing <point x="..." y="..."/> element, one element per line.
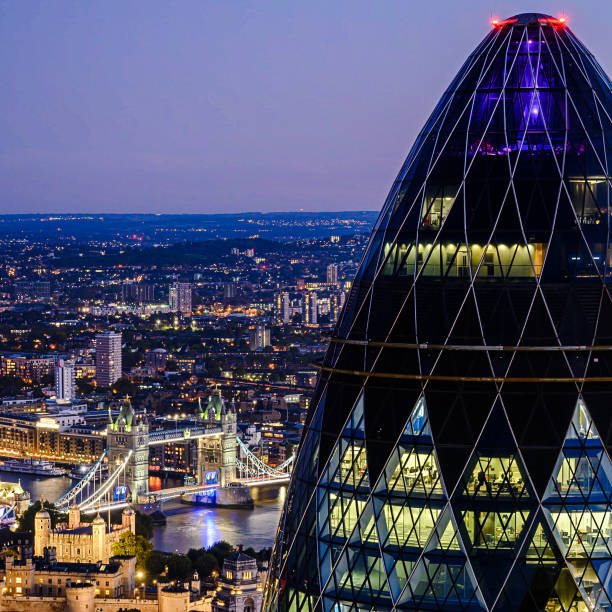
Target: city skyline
<point x="142" y="371"/>
<point x="218" y="107"/>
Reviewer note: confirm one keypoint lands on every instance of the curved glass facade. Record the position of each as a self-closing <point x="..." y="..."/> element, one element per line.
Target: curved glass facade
<point x="457" y="452"/>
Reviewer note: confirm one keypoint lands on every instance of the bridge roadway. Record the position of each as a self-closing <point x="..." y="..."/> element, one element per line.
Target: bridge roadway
<point x="218" y="380"/>
<point x="162" y="495"/>
<point x="163" y="436"/>
<point x="165" y="494"/>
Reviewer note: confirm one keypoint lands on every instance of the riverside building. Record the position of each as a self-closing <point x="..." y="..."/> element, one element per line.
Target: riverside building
<point x="456" y="455"/>
<point x="65" y="389"/>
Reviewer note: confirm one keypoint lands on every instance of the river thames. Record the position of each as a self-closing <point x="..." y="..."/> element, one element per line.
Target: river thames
<point x="187" y="526"/>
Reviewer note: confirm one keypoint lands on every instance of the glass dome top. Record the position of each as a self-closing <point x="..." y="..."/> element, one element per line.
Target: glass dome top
<point x="508" y="181"/>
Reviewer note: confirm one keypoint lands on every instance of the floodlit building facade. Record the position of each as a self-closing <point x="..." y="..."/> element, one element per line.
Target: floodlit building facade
<point x="283" y="308"/>
<point x="310" y="308"/>
<point x="77" y="541"/>
<point x="456" y="455"/>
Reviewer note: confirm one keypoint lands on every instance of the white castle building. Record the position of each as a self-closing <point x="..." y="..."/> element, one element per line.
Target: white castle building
<point x="77" y="541"/>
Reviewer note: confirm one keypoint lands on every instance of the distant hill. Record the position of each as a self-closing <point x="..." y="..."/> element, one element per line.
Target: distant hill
<point x="166" y="229"/>
<point x="184" y="253"/>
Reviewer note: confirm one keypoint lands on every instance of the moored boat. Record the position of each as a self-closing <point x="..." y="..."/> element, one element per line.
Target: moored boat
<point x="37" y="467"/>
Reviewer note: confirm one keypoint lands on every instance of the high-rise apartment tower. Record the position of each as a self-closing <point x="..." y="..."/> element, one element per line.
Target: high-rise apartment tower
<point x="108" y="358"/>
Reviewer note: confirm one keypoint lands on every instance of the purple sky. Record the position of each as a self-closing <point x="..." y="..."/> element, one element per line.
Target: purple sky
<point x="227" y="106"/>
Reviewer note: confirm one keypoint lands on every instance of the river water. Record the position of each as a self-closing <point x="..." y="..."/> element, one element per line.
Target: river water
<point x="187" y="526"/>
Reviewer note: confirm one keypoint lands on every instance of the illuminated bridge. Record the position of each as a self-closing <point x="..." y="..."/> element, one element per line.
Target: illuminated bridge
<point x="226" y="467"/>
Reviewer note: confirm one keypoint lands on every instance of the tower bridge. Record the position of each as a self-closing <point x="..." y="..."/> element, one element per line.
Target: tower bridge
<point x="120" y="476"/>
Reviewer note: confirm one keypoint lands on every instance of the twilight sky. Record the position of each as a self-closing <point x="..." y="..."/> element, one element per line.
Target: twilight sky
<point x="230" y="106"/>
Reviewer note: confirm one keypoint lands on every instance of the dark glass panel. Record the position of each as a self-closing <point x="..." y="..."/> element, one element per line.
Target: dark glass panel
<point x="342" y="393"/>
<point x="387" y="407"/>
<point x="500" y="323"/>
<point x="457" y="412"/>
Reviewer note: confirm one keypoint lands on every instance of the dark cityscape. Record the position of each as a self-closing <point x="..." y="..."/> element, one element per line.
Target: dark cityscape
<point x="186" y="325"/>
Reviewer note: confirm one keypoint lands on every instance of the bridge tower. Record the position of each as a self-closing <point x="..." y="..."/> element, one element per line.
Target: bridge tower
<point x="130" y="433"/>
<point x="209" y="449"/>
<point x="228" y="444"/>
<point x="218" y="453"/>
<point x="217" y="457"/>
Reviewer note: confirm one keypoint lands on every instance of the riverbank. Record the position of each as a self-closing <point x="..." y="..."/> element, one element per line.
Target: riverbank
<point x="187" y="526"/>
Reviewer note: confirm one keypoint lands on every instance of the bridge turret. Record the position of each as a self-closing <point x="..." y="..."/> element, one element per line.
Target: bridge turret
<point x="126" y="417"/>
<point x="200" y="411"/>
<point x="214" y="407"/>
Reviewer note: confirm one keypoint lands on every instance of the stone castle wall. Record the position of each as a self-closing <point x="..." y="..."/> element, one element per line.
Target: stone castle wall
<point x="58" y="604"/>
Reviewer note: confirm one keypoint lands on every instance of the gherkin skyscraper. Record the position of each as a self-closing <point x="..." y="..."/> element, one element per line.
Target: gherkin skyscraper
<point x="457" y="452"/>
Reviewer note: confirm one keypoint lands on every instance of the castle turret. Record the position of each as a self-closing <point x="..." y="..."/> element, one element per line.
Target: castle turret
<point x="74" y="516"/>
<point x="42" y="529"/>
<point x="173" y="599"/>
<point x="80" y="597"/>
<point x="128" y="519"/>
<point x="98" y="531"/>
<point x="195" y="583"/>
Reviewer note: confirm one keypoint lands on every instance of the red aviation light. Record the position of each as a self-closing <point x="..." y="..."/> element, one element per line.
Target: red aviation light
<point x="554" y="21"/>
<point x="496" y="23"/>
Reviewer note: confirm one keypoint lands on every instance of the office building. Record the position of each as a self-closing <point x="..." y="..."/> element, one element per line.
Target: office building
<point x="157" y="358"/>
<point x="332" y="274"/>
<point x="28" y="367"/>
<point x="259" y="338"/>
<point x="283" y="308"/>
<point x="108" y="358"/>
<point x="456" y="455"/>
<point x="65" y="380"/>
<point x="337" y="302"/>
<point x="32" y="290"/>
<point x="180" y="298"/>
<point x="310" y="308"/>
<point x="137" y="293"/>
